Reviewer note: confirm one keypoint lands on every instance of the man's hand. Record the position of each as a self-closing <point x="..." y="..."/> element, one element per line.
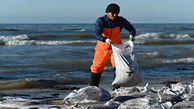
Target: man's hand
<point x="131" y="38"/>
<point x="108" y="41"/>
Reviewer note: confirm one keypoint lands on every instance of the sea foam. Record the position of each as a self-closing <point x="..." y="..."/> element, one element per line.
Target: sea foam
<point x="148" y="36"/>
<point x="161" y="35"/>
<point x="179" y="36"/>
<point x="181" y="60"/>
<point x="25" y="40"/>
<point x="149" y="54"/>
<point x="17" y="37"/>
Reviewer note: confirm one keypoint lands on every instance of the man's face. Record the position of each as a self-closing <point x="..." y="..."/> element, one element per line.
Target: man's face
<point x="112" y="16"/>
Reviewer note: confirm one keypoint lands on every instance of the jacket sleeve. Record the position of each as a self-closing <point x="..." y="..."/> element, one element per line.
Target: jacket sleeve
<point x="127" y="25"/>
<point x="98" y="30"/>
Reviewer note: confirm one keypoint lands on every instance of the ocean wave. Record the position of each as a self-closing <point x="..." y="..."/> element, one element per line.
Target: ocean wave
<point x="17" y="37"/>
<point x="164" y="38"/>
<point x="33" y="42"/>
<point x="81" y="30"/>
<point x="179" y="36"/>
<point x="178" y="61"/>
<point x="149" y="54"/>
<point x="63" y="42"/>
<point x="184" y="28"/>
<point x="53" y="30"/>
<point x="25" y="40"/>
<point x="68" y="30"/>
<point x="164" y="62"/>
<point x="164" y="42"/>
<point x="8" y="29"/>
<point x="46" y="36"/>
<point x="46" y="39"/>
<point x="153" y="36"/>
<point x="148" y="36"/>
<point x="71" y="30"/>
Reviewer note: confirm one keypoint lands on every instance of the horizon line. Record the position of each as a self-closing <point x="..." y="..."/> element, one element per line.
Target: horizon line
<point x="94" y="23"/>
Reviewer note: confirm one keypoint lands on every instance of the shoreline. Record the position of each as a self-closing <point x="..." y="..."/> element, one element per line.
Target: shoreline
<point x="48" y="98"/>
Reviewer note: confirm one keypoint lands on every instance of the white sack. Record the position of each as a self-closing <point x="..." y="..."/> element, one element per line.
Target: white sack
<point x="127" y="71"/>
<point x="89" y="94"/>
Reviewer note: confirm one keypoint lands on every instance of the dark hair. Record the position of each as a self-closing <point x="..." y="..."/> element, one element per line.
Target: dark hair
<point x="114" y="8"/>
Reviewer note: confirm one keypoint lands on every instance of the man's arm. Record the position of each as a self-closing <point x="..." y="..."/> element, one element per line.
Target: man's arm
<point x="127" y="25"/>
<point x="98" y="30"/>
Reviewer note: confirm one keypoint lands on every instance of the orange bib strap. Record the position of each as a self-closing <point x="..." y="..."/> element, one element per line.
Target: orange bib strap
<point x="113" y="34"/>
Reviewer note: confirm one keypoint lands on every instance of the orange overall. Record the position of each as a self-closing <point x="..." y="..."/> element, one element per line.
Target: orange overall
<point x="103" y="51"/>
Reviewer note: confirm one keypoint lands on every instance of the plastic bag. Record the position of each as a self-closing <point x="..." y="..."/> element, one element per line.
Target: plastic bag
<point x="127" y="71"/>
<point x="89" y="94"/>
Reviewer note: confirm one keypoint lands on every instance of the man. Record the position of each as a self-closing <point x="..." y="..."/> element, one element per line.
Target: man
<point x="107" y="31"/>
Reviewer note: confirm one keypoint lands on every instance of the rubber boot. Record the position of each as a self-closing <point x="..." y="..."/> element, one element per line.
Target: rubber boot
<point x="95" y="79"/>
<point x="114" y="76"/>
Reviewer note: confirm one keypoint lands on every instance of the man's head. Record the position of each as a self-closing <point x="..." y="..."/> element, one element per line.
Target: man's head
<point x="112" y="11"/>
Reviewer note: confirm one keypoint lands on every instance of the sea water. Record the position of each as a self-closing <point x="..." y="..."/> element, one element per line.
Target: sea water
<point x="50" y="54"/>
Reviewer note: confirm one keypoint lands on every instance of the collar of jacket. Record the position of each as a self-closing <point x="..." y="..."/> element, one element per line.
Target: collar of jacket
<point x="111" y="23"/>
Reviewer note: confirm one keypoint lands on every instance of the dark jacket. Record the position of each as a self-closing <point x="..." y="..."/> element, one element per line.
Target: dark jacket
<point x="105" y="22"/>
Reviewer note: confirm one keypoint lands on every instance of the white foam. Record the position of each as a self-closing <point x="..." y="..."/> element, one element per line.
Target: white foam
<point x="148" y="36"/>
<point x="19" y="42"/>
<point x="10" y="38"/>
<point x="33" y="42"/>
<point x="181" y="60"/>
<point x="179" y="36"/>
<point x="157" y="36"/>
<point x="81" y="30"/>
<point x="62" y="42"/>
<point x="140" y="39"/>
<point x="25" y="40"/>
<point x="150" y="53"/>
<point x="16" y="40"/>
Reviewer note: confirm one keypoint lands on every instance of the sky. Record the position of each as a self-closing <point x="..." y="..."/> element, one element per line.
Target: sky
<point x="87" y="11"/>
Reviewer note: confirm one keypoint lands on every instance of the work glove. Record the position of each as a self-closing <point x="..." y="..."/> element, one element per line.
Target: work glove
<point x="131" y="38"/>
<point x="108" y="41"/>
